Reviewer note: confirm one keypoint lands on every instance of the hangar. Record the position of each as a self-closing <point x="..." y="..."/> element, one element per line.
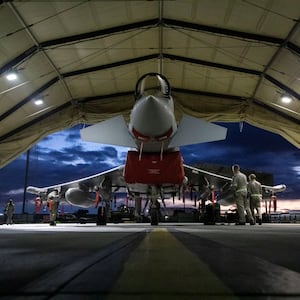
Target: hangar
<point x="227" y="61"/>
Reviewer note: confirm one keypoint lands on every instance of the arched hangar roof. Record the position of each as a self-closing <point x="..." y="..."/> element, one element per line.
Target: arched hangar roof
<point x="226" y="61"/>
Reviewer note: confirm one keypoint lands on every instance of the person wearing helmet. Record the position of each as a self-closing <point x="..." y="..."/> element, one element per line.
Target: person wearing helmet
<point x="255" y="195"/>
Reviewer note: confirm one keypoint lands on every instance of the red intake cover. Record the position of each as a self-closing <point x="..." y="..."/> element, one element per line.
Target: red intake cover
<point x="152" y="170"/>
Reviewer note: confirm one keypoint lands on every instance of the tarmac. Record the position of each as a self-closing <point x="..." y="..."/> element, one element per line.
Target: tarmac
<point x="139" y="261"/>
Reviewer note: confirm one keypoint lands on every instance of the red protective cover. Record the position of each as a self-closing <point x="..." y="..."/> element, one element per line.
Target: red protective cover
<point x="152" y="170"/>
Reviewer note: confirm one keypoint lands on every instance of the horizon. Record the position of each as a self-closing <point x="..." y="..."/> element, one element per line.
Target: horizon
<point x="283" y="205"/>
<point x="63" y="157"/>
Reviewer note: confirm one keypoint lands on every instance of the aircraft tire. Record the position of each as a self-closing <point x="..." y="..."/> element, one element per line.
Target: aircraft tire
<point x="154" y="216"/>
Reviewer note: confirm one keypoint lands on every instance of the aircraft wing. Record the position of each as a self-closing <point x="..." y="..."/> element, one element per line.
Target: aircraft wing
<point x="197" y="179"/>
<point x="202" y="181"/>
<point x="82" y="192"/>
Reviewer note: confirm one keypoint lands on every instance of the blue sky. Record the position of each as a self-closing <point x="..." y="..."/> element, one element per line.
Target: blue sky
<point x="62" y="157"/>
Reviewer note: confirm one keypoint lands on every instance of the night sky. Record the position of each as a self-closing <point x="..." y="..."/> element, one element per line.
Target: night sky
<point x="62" y="157"/>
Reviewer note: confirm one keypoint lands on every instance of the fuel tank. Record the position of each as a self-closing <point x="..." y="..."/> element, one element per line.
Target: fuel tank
<point x="78" y="197"/>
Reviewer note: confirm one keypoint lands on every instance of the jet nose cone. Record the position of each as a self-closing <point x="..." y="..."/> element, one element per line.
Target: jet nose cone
<point x="152" y="104"/>
<point x="152" y="116"/>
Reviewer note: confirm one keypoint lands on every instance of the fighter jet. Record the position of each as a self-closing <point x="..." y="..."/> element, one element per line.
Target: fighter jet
<point x="154" y="166"/>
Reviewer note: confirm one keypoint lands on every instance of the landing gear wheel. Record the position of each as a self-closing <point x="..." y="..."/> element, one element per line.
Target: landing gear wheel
<point x="154" y="216"/>
<point x="101" y="216"/>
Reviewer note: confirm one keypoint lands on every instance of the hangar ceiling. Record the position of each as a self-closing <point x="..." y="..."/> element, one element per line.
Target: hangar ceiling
<point x="226" y="61"/>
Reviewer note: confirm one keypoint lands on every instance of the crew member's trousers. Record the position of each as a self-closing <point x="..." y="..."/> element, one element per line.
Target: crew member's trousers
<point x="255" y="204"/>
<point x="242" y="204"/>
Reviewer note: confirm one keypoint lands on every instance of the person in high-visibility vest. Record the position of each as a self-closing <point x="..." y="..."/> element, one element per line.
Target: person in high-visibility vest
<point x="239" y="186"/>
<point x="255" y="194"/>
<point x="52" y="203"/>
<point x="37" y="205"/>
<point x="37" y="209"/>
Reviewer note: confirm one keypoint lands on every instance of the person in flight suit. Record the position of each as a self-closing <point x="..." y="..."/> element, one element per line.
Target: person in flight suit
<point x="53" y="203"/>
<point x="255" y="194"/>
<point x="239" y="186"/>
<point x="9" y="210"/>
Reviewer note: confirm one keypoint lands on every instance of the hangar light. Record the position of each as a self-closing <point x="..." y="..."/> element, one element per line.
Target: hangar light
<point x="11" y="76"/>
<point x="38" y="102"/>
<point x="286" y="99"/>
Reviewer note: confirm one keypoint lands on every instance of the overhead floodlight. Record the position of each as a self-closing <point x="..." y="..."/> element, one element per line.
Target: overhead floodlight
<point x="38" y="102"/>
<point x="286" y="99"/>
<point x="11" y="76"/>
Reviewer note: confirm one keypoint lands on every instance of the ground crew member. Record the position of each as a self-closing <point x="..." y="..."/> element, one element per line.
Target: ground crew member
<point x="37" y="205"/>
<point x="52" y="203"/>
<point x="9" y="210"/>
<point x="255" y="195"/>
<point x="239" y="186"/>
<point x="37" y="209"/>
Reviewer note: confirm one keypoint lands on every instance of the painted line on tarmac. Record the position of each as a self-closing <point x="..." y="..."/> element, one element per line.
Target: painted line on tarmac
<point x="161" y="267"/>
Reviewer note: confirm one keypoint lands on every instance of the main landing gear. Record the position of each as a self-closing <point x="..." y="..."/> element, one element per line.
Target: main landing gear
<point x="154" y="212"/>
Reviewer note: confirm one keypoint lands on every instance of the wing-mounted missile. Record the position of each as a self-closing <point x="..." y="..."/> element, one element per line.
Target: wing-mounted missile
<point x="79" y="197"/>
<point x="36" y="190"/>
<point x="275" y="188"/>
<point x="271" y="190"/>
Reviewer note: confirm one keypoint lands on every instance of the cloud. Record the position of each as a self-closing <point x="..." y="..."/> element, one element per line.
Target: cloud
<point x="297" y="169"/>
<point x="14" y="192"/>
<point x="253" y="149"/>
<point x="63" y="157"/>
